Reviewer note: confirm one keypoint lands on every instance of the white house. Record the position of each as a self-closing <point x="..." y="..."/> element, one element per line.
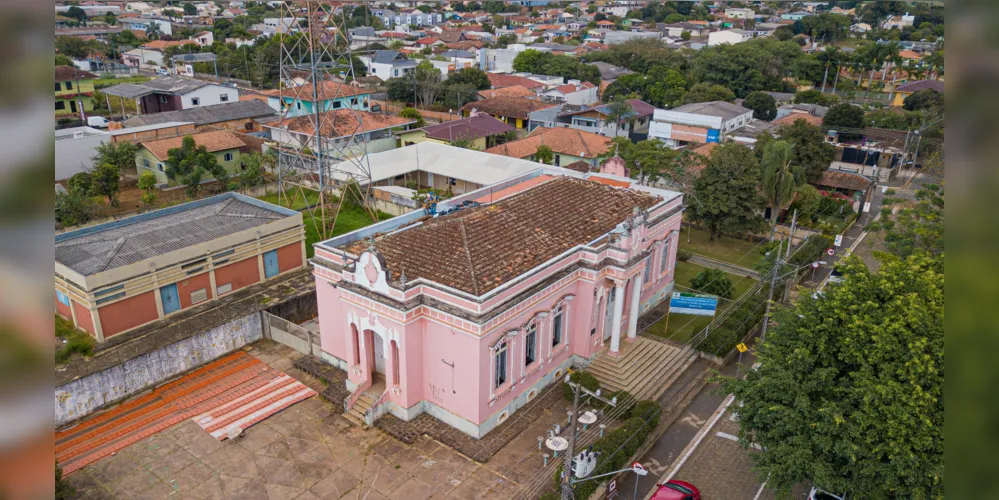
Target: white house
<point x="732" y="36"/>
<point x="387" y="64"/>
<point x="576" y="93"/>
<point x="142" y="58"/>
<point x="204" y="39"/>
<point x="701" y="122"/>
<point x="142" y="24"/>
<point x="898" y="21"/>
<point x="239" y="42"/>
<point x="740" y="13"/>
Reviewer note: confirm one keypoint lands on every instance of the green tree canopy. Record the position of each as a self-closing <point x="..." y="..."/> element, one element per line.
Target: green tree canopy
<point x="764" y="105"/>
<point x="713" y="282"/>
<point x="811" y="151"/>
<point x="815" y="97"/>
<point x="190" y="163"/>
<point x="726" y="197"/>
<point x="190" y="9"/>
<point x="121" y="155"/>
<point x="926" y="98"/>
<point x="704" y="92"/>
<point x="781" y="177"/>
<point x="849" y="391"/>
<point x="544" y="155"/>
<point x="413" y="114"/>
<point x="844" y="115"/>
<point x="759" y="64"/>
<point x="915" y="227"/>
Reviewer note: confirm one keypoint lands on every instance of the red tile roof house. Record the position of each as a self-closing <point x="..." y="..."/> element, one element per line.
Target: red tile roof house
<point x="114" y="277"/>
<point x="481" y="130"/>
<point x="578" y="94"/>
<point x="468" y="316"/>
<point x="568" y="145"/>
<point x="373" y="131"/>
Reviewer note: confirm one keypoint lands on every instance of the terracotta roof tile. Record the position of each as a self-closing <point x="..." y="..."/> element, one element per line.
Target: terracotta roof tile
<point x="342" y="122"/>
<point x="793" y="117"/>
<point x="561" y="140"/>
<point x="478" y="249"/>
<point x="514" y="107"/>
<point x="499" y="80"/>
<point x="480" y="125"/>
<point x="843" y="180"/>
<point x="162" y="44"/>
<point x="511" y="91"/>
<point x="579" y="166"/>
<point x="64" y="73"/>
<point x="219" y="140"/>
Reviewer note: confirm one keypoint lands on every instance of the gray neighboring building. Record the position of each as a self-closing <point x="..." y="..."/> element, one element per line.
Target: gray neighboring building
<point x="811" y="109"/>
<point x="232" y="115"/>
<point x="609" y="72"/>
<point x="616" y="37"/>
<point x="75" y="148"/>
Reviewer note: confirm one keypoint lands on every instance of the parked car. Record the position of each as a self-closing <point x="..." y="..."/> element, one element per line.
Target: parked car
<point x="836" y="276"/>
<point x="817" y="494"/>
<point x="163" y="72"/>
<point x="97" y="121"/>
<point x="676" y="490"/>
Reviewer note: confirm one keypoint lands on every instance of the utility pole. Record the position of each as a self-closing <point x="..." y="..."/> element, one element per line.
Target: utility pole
<point x="567" y="469"/>
<point x="778" y="265"/>
<point x="824" y="76"/>
<point x="787" y="255"/>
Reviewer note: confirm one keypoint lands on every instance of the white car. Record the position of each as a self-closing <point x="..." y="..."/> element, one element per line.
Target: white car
<point x="97" y="121"/>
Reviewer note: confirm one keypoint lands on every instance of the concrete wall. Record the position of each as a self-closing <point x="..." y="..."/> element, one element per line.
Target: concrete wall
<point x="85" y="395"/>
<point x="75" y="154"/>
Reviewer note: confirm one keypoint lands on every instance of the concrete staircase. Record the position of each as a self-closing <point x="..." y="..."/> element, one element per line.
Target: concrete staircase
<point x="645" y="368"/>
<point x="356" y="413"/>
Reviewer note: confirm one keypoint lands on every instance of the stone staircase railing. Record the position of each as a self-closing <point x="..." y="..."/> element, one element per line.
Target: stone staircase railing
<point x="354" y="396"/>
<point x="378" y="408"/>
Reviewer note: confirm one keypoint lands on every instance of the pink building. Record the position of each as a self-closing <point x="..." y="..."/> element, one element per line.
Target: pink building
<point x="467" y="316"/>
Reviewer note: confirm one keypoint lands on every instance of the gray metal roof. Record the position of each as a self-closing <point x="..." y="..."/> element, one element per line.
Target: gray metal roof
<point x="207" y="114"/>
<point x="721" y="109"/>
<point x="175" y="84"/>
<point x="92" y="250"/>
<point x="458" y="53"/>
<point x="389" y="57"/>
<point x="128" y="90"/>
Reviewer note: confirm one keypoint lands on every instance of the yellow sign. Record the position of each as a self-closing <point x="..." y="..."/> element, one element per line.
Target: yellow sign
<point x="741" y="347"/>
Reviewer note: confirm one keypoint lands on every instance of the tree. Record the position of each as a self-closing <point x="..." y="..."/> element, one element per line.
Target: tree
<point x="924" y="99"/>
<point x="713" y="282"/>
<point x="465" y="142"/>
<point x="726" y="197"/>
<point x="758" y="64"/>
<point x="147" y="182"/>
<point x="110" y="19"/>
<point x="61" y="60"/>
<point x="153" y="31"/>
<point x="121" y="155"/>
<point x="73" y="47"/>
<point x="74" y="207"/>
<point x="402" y="89"/>
<point x="544" y="155"/>
<point x="616" y="111"/>
<point x="844" y="115"/>
<point x="811" y="151"/>
<point x="685" y="35"/>
<point x="705" y="92"/>
<point x="77" y="13"/>
<point x="780" y="177"/>
<point x="815" y="97"/>
<point x="428" y="80"/>
<point x="189" y="163"/>
<point x="783" y="33"/>
<point x="190" y="9"/>
<point x="764" y="106"/>
<point x="914" y="228"/>
<point x="106" y="181"/>
<point x="413" y="114"/>
<point x="849" y="390"/>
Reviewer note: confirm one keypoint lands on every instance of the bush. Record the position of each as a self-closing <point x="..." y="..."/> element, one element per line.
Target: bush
<point x="713" y="282"/>
<point x="76" y="340"/>
<point x="648" y="411"/>
<point x="683" y="255"/>
<point x="625" y="402"/>
<point x="585" y="379"/>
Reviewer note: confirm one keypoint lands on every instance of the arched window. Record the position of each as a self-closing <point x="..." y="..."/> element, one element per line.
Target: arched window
<point x="557" y="325"/>
<point x="395" y="363"/>
<point x="355" y="342"/>
<point x="501" y="373"/>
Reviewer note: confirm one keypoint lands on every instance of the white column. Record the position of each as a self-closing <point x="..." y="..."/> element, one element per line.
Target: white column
<point x="636" y="299"/>
<point x="616" y="320"/>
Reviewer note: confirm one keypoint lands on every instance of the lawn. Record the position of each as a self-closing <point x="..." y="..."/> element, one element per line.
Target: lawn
<point x="683" y="326"/>
<point x="311" y="198"/>
<point x="101" y="83"/>
<point x="350" y="219"/>
<point x="729" y="249"/>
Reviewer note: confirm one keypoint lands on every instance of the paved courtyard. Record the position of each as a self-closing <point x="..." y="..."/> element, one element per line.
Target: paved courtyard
<point x="309" y="451"/>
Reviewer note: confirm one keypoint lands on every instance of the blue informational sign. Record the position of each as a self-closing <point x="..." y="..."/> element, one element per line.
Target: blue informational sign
<point x="713" y="135"/>
<point x="693" y="303"/>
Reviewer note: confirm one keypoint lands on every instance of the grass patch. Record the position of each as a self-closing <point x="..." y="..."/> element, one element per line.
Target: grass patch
<point x="683" y="326"/>
<point x="75" y="340"/>
<point x="311" y="198"/>
<point x="101" y="83"/>
<point x="351" y="218"/>
<point x="726" y="248"/>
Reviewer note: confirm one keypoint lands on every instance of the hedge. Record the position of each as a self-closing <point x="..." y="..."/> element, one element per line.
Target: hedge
<point x="585" y="379"/>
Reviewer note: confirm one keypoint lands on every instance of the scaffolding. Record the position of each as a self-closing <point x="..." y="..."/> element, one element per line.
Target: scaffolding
<point x="327" y="154"/>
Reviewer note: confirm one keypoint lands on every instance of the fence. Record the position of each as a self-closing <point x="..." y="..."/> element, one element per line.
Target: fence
<point x="285" y="332"/>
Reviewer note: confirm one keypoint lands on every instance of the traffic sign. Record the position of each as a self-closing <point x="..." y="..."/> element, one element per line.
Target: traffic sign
<point x="867" y="207"/>
<point x="638" y="466"/>
<point x="741" y="347"/>
<point x="831" y="251"/>
<point x="815" y="265"/>
<point x="839" y="240"/>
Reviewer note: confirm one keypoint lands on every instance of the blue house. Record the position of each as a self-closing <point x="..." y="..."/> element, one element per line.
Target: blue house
<point x="795" y="16"/>
<point x="301" y="100"/>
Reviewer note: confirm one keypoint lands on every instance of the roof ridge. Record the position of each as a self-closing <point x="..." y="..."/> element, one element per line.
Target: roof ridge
<point x="120" y="242"/>
<point x="585" y="146"/>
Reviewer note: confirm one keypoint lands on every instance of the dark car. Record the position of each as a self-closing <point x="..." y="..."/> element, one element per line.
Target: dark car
<point x="676" y="490"/>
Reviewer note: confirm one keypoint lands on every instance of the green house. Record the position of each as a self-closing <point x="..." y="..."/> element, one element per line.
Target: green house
<point x="74" y="89"/>
<point x="225" y="145"/>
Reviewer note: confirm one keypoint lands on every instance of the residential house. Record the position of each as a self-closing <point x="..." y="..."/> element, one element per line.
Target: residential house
<point x="480" y="130"/>
<point x="459" y="59"/>
<point x="800" y="109"/>
<point x="609" y="72"/>
<point x="73" y="91"/>
<point x="223" y="144"/>
<point x="576" y="93"/>
<point x="845" y="183"/>
<point x="241" y="116"/>
<point x="860" y="28"/>
<point x="301" y="100"/>
<point x="204" y="38"/>
<point x="588" y="252"/>
<point x="675" y="30"/>
<point x="513" y="111"/>
<point x="451" y="36"/>
<point x="740" y="13"/>
<point x="701" y="122"/>
<point x="386" y="64"/>
<point x="164" y="26"/>
<point x="499" y="60"/>
<point x="909" y="88"/>
<point x="341" y="131"/>
<point x="899" y="22"/>
<point x="500" y="80"/>
<point x="511" y="91"/>
<point x="616" y="37"/>
<point x="795" y="16"/>
<point x="732" y="36"/>
<point x="115" y="277"/>
<point x="595" y="119"/>
<point x="568" y="145"/>
<point x="173" y="93"/>
<point x="554" y="48"/>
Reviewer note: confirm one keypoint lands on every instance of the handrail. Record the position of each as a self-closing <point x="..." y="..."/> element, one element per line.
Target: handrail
<point x="372" y="413"/>
<point x="354" y="396"/>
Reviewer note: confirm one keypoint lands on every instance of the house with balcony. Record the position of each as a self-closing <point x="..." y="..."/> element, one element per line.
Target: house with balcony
<point x="575" y="92"/>
<point x="387" y="64"/>
<point x="173" y="93"/>
<point x="330" y="95"/>
<point x="469" y="316"/>
<point x="595" y="120"/>
<point x="73" y="91"/>
<point x="701" y="122"/>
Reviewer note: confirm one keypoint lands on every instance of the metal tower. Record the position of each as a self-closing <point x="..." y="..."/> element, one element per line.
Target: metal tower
<point x="322" y="149"/>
